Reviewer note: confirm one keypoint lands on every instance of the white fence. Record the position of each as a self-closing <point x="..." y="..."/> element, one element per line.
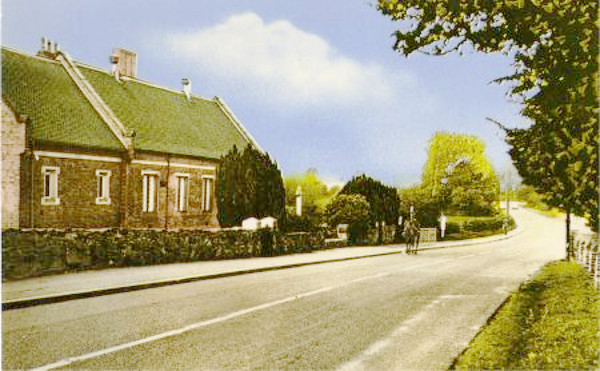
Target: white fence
<point x="427" y="235"/>
<point x="586" y="252"/>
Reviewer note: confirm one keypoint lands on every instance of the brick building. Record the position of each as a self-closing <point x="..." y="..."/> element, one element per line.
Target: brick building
<point x="83" y="147"/>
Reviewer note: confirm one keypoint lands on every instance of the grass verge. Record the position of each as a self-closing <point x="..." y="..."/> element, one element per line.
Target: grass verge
<point x="551" y="322"/>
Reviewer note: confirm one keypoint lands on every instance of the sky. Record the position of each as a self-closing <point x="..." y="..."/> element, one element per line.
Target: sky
<point x="317" y="83"/>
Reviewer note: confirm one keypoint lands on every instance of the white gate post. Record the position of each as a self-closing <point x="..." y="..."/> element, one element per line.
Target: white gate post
<point x="596" y="273"/>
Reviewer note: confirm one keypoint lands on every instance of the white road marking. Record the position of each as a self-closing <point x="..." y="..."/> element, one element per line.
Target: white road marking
<point x="358" y="362"/>
<point x="197" y="325"/>
<point x="70" y="360"/>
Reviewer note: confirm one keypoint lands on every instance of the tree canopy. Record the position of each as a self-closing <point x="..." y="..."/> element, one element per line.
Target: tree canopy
<point x="554" y="47"/>
<point x="250" y="184"/>
<point x="315" y="193"/>
<point x="384" y="200"/>
<point x="459" y="175"/>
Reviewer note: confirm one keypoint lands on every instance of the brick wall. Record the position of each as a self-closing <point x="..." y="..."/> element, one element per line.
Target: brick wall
<point x="167" y="213"/>
<point x="77" y="190"/>
<point x="13" y="145"/>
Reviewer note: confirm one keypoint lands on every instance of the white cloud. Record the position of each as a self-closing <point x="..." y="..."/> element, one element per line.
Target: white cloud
<point x="282" y="62"/>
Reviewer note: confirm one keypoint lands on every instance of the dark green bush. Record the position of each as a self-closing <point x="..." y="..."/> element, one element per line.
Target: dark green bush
<point x="304" y="223"/>
<point x="265" y="237"/>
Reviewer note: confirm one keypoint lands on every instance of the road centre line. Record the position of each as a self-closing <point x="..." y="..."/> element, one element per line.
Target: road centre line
<point x="70" y="360"/>
<point x="357" y="363"/>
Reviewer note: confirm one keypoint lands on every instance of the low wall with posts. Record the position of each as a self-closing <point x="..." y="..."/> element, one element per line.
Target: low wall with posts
<point x="428" y="235"/>
<point x="35" y="253"/>
<point x="388" y="235"/>
<point x="587" y="253"/>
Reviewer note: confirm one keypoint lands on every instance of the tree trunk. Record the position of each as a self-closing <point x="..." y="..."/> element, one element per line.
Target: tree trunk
<point x="568" y="230"/>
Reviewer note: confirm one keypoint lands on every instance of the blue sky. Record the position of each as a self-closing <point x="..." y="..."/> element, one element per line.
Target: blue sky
<point x="316" y="82"/>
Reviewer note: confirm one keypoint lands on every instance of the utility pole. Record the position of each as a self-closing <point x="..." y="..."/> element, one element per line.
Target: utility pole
<point x="568" y="231"/>
<point x="508" y="185"/>
<point x="299" y="201"/>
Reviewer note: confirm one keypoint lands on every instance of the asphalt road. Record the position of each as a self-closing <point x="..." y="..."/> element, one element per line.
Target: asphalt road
<point x="389" y="312"/>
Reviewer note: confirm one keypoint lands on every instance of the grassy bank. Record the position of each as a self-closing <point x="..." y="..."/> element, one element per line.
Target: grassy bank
<point x="552" y="322"/>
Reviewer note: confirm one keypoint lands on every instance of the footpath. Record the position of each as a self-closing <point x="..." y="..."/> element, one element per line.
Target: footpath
<point x="79" y="285"/>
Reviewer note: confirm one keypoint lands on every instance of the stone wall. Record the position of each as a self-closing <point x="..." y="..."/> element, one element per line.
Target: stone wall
<point x="13" y="146"/>
<point x="35" y="253"/>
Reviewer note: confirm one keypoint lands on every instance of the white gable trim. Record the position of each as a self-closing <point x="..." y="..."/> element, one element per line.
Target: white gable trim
<point x="75" y="156"/>
<point x="237" y="123"/>
<point x="107" y="115"/>
<point x="173" y="164"/>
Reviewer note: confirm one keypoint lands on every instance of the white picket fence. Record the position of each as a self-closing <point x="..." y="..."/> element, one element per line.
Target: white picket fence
<point x="586" y="252"/>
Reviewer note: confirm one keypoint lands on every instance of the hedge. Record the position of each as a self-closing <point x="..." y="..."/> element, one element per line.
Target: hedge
<point x="35" y="253"/>
<point x="472" y="226"/>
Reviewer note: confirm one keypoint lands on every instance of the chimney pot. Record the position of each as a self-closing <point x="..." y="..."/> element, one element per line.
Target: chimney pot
<point x="187" y="87"/>
<point x="125" y="62"/>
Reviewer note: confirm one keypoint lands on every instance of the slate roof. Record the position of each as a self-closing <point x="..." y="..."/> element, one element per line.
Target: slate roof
<point x="164" y="120"/>
<point x="57" y="112"/>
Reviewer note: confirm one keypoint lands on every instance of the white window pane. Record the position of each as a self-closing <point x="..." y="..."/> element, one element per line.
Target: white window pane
<point x="206" y="195"/>
<point x="106" y="186"/>
<point x="181" y="193"/>
<point x="145" y="193"/>
<point x="151" y="193"/>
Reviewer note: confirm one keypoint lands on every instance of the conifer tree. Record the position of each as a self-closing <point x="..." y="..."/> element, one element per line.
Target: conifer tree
<point x="250" y="184"/>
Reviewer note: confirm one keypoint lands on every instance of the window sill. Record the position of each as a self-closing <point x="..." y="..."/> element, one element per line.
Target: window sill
<point x="49" y="201"/>
<point x="102" y="201"/>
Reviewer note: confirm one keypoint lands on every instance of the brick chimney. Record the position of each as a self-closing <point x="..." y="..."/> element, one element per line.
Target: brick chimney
<point x="126" y="62"/>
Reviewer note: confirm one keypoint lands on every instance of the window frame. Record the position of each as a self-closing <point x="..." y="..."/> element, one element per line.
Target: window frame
<point x="50" y="175"/>
<point x="103" y="186"/>
<point x="146" y="188"/>
<point x="207" y="199"/>
<point x="182" y="205"/>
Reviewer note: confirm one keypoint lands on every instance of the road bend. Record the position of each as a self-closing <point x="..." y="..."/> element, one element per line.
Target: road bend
<point x="388" y="312"/>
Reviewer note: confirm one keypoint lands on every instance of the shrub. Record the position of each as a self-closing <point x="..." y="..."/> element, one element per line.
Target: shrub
<point x="353" y="210"/>
<point x="310" y="221"/>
